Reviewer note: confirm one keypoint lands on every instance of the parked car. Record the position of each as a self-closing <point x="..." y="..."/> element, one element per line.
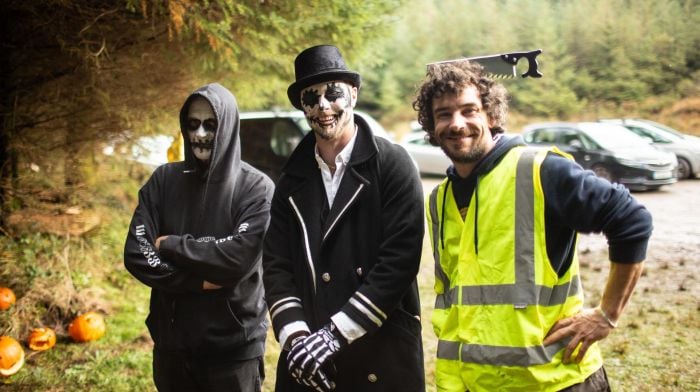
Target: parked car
<point x="612" y="151"/>
<point x="267" y="140"/>
<point x="686" y="147"/>
<point x="150" y="151"/>
<point x="430" y="159"/>
<point x="269" y="137"/>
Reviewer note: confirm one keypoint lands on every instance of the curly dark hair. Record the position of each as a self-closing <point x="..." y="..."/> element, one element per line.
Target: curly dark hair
<point x="452" y="78"/>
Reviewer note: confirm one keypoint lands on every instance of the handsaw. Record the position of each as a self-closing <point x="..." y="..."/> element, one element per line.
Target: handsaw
<point x="503" y="65"/>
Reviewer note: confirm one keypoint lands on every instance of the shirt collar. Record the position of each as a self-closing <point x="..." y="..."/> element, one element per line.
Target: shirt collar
<point x="343" y="157"/>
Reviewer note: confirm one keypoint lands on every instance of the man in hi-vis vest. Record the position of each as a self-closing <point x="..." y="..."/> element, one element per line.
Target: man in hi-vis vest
<point x="509" y="311"/>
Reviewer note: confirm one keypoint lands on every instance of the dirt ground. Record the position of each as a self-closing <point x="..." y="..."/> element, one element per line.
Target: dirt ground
<point x="655" y="346"/>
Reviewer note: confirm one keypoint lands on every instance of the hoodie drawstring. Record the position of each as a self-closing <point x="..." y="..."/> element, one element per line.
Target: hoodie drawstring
<point x="476" y="217"/>
<point x="442" y="214"/>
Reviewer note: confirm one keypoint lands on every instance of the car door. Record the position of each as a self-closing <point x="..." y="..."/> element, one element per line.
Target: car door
<point x="266" y="143"/>
<point x="571" y="141"/>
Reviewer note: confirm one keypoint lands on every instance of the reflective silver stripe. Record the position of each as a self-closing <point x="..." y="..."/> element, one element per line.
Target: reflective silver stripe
<point x="306" y="242"/>
<point x="440" y="274"/>
<point x="526" y="294"/>
<point x="505" y="294"/>
<point x="357" y="192"/>
<point x="441" y="302"/>
<point x="499" y="355"/>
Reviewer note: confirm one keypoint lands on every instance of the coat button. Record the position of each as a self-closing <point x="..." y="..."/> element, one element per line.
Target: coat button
<point x="326" y="277"/>
<point x="359" y="271"/>
<point x="372" y="377"/>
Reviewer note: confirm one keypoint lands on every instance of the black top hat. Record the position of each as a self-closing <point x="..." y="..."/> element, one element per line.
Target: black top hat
<point x="318" y="64"/>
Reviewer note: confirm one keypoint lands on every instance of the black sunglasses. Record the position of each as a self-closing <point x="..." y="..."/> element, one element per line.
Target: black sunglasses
<point x="209" y="124"/>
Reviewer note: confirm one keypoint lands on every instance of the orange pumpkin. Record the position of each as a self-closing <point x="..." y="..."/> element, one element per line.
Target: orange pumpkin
<point x="86" y="327"/>
<point x="7" y="298"/>
<point x="41" y="339"/>
<point x="11" y="356"/>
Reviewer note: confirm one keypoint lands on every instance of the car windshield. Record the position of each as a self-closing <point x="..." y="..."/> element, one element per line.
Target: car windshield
<point x="612" y="137"/>
<point x="656" y="135"/>
<point x="664" y="128"/>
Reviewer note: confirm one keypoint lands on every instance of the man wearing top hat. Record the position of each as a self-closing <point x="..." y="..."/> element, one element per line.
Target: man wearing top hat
<point x="343" y="248"/>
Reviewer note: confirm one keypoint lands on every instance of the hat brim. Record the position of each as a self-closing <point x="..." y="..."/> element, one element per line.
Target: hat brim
<point x="294" y="90"/>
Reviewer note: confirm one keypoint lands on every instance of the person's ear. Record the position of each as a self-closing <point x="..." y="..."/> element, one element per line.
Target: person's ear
<point x="353" y="96"/>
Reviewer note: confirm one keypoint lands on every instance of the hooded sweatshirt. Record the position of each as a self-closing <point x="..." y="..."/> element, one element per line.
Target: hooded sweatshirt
<point x="215" y="217"/>
<point x="575" y="201"/>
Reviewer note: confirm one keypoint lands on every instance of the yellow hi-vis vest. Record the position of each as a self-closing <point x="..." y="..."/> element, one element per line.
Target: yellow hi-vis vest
<point x="176" y="151"/>
<point x="497" y="293"/>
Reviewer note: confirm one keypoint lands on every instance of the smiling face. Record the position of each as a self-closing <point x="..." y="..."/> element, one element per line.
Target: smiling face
<point x="462" y="128"/>
<point x="328" y="107"/>
<point x="201" y="128"/>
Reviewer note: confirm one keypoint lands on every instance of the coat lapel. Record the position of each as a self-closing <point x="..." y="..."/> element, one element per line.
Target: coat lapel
<point x="355" y="181"/>
<point x="308" y="193"/>
<point x="350" y="189"/>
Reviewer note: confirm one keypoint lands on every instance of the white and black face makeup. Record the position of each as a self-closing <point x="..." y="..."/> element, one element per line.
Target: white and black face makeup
<point x="201" y="128"/>
<point x="328" y="107"/>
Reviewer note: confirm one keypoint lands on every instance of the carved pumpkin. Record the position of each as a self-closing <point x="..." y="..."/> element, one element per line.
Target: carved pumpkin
<point x="7" y="298"/>
<point x="86" y="327"/>
<point x="41" y="339"/>
<point x="11" y="356"/>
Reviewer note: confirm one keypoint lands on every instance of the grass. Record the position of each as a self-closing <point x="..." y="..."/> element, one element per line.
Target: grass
<point x="655" y="344"/>
<point x="55" y="278"/>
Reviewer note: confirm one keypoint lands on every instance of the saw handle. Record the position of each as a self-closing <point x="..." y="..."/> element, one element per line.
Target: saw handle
<point x="532" y="71"/>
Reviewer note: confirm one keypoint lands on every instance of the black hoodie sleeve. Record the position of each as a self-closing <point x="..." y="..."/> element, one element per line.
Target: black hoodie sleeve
<point x="141" y="258"/>
<point x="226" y="261"/>
<point x="577" y="200"/>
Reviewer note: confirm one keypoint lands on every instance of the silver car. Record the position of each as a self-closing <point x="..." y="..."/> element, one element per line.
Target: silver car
<point x="686" y="147"/>
<point x="430" y="159"/>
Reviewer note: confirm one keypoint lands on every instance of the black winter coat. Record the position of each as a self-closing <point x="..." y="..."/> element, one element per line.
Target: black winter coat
<point x="361" y="257"/>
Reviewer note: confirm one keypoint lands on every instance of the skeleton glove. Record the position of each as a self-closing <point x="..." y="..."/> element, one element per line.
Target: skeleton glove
<point x="308" y="355"/>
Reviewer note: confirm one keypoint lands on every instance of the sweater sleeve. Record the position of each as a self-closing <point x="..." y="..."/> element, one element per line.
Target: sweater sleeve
<point x="226" y="261"/>
<point x="579" y="200"/>
<point x="141" y="258"/>
<point x="400" y="246"/>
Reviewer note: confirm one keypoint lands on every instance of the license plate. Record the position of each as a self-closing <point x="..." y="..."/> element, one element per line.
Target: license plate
<point x="662" y="175"/>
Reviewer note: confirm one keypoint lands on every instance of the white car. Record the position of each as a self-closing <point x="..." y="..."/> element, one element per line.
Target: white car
<point x="150" y="151"/>
<point x="430" y="159"/>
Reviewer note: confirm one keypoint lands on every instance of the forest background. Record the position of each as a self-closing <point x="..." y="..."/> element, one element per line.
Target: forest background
<point x="77" y="75"/>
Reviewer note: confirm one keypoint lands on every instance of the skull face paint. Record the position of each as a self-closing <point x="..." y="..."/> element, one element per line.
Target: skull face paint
<point x="201" y="128"/>
<point x="328" y="107"/>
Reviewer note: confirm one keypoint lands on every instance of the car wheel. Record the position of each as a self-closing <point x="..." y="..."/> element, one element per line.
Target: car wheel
<point x="683" y="169"/>
<point x="603" y="172"/>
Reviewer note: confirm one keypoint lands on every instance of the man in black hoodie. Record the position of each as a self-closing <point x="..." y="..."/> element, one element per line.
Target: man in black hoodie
<point x="509" y="309"/>
<point x="196" y="240"/>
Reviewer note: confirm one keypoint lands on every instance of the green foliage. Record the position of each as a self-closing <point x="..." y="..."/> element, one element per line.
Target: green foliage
<point x="596" y="52"/>
<point x="250" y="45"/>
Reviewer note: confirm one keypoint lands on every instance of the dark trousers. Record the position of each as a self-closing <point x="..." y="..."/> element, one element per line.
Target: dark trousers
<point x="174" y="372"/>
<point x="596" y="382"/>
